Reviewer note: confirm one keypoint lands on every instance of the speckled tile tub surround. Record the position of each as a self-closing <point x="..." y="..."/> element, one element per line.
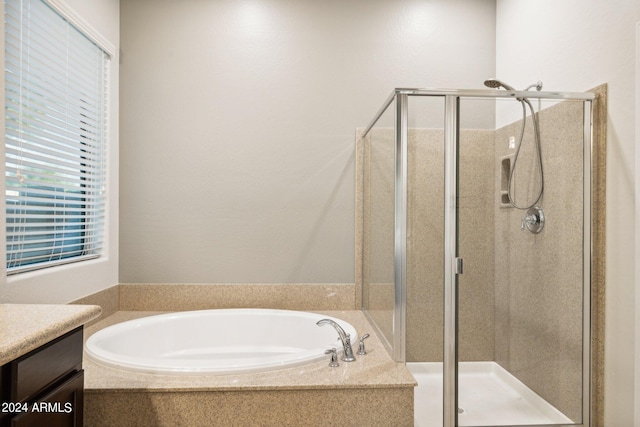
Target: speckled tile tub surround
<point x="198" y="296"/>
<point x="373" y="389"/>
<point x="108" y="299"/>
<point x="295" y="408"/>
<point x="290" y="296"/>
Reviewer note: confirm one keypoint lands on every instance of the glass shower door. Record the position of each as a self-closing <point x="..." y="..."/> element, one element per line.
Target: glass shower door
<point x="522" y="298"/>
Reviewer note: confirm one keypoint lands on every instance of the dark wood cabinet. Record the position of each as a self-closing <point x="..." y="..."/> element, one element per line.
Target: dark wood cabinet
<point x="45" y="386"/>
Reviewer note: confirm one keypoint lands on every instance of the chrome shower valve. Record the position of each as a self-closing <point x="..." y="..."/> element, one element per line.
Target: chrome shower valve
<point x="533" y="220"/>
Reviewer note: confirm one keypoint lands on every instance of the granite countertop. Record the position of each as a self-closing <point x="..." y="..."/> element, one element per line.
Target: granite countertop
<point x="374" y="370"/>
<point x="25" y="327"/>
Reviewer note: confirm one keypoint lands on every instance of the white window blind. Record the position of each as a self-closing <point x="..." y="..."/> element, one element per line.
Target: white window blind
<point x="55" y="138"/>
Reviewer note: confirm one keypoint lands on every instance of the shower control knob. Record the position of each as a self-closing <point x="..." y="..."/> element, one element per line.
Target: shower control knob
<point x="533" y="220"/>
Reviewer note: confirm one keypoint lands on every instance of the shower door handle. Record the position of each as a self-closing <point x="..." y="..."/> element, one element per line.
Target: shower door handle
<point x="459" y="265"/>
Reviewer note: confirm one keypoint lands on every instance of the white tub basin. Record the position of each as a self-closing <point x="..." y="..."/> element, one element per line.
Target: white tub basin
<point x="216" y="341"/>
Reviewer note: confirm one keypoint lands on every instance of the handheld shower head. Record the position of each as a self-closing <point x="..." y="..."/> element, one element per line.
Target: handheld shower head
<point x="495" y="84"/>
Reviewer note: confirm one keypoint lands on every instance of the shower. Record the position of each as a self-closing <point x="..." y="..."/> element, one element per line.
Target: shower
<point x="496" y="84"/>
<point x="447" y="281"/>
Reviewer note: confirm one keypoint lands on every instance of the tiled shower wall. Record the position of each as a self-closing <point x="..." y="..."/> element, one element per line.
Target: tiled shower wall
<point x="425" y="255"/>
<point x="520" y="297"/>
<point x="538" y="277"/>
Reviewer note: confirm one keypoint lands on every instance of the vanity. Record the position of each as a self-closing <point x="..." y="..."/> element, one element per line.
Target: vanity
<point x="41" y="375"/>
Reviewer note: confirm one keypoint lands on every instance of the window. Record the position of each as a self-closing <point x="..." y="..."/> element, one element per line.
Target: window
<point x="55" y="138"/>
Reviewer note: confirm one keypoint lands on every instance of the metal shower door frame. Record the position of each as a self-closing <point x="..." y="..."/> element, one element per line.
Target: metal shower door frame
<point x="452" y="262"/>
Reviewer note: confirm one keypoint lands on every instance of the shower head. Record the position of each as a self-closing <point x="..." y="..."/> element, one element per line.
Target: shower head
<point x="495" y="84"/>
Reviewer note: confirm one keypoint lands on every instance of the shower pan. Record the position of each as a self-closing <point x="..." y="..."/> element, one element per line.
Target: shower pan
<point x="488" y="303"/>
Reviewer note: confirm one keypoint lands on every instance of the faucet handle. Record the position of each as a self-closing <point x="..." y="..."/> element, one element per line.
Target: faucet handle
<point x="334" y="357"/>
<point x="361" y="349"/>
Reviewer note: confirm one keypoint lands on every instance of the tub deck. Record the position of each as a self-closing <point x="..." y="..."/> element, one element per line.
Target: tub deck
<point x="373" y="390"/>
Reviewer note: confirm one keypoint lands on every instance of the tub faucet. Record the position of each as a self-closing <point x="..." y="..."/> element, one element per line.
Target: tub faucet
<point x="344" y="337"/>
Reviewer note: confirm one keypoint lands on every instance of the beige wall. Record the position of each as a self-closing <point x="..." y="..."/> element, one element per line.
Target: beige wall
<point x="238" y="118"/>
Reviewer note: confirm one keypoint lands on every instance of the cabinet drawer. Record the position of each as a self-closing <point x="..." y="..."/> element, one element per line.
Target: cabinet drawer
<point x="62" y="407"/>
<point x="37" y="370"/>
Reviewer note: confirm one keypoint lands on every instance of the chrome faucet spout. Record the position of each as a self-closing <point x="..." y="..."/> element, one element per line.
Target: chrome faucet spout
<point x="344" y="337"/>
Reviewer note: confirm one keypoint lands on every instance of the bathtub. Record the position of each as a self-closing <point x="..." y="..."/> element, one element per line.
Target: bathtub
<point x="223" y="341"/>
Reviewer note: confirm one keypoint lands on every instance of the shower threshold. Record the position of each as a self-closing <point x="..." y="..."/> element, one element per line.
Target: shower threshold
<point x="488" y="395"/>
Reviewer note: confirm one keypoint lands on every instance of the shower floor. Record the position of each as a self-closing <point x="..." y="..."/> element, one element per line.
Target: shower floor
<point x="488" y="395"/>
